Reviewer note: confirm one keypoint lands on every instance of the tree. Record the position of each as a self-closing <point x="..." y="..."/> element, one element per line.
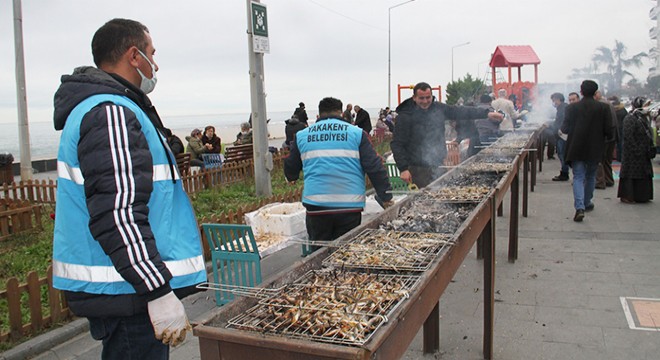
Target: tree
<point x="467" y="88"/>
<point x="615" y="63"/>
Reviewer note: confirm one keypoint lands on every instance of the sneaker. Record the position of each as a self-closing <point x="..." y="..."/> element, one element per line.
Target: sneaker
<point x="579" y="215"/>
<point x="560" y="177"/>
<point x="589" y="207"/>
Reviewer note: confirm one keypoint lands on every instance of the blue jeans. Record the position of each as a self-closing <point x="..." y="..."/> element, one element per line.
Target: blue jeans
<point x="584" y="182"/>
<point x="561" y="153"/>
<point x="128" y="338"/>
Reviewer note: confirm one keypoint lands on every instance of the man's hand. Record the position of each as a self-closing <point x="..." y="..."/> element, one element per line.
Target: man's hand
<point x="169" y="319"/>
<point x="406" y="176"/>
<point x="387" y="204"/>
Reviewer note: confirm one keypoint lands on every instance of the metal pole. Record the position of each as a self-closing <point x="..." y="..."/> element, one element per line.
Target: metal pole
<point x="389" y="51"/>
<point x="452" y="58"/>
<point x="23" y="128"/>
<point x="389" y="57"/>
<point x="263" y="159"/>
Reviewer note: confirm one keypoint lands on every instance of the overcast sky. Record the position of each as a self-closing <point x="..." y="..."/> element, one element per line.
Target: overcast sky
<point x="318" y="47"/>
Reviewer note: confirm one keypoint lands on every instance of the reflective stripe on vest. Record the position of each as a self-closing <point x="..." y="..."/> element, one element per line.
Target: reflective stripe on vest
<point x="108" y="274"/>
<point x="65" y="171"/>
<point x="334" y="198"/>
<point x="330" y="153"/>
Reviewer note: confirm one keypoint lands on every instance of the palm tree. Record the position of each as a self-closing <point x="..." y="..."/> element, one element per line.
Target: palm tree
<point x="615" y="61"/>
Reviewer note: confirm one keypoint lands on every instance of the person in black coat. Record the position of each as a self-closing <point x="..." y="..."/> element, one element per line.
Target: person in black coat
<point x="418" y="145"/>
<point x="636" y="176"/>
<point x="293" y="125"/>
<point x="588" y="124"/>
<point x="362" y="119"/>
<point x="301" y="113"/>
<point x="175" y="144"/>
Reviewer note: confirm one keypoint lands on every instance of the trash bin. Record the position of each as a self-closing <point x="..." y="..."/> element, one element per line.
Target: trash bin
<point x="6" y="171"/>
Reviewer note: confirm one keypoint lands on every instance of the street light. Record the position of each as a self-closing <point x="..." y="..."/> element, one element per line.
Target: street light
<point x="452" y="58"/>
<point x="389" y="50"/>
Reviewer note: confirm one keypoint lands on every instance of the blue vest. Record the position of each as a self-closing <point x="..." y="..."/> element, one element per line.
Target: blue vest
<point x="79" y="263"/>
<point x="330" y="153"/>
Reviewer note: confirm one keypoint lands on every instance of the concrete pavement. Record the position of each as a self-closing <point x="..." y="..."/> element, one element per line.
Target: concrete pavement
<point x="560" y="300"/>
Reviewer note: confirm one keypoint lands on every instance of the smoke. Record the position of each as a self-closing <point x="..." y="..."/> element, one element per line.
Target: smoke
<point x="542" y="107"/>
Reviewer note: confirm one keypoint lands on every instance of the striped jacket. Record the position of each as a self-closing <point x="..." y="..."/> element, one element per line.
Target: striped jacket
<point x="125" y="231"/>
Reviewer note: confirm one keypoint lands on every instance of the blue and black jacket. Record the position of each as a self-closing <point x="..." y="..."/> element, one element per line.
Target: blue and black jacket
<point x="125" y="231"/>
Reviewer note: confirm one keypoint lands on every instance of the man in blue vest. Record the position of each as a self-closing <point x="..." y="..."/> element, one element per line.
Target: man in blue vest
<point x="126" y="245"/>
<point x="334" y="156"/>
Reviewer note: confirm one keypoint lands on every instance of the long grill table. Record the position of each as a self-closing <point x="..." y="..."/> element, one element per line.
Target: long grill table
<point x="392" y="337"/>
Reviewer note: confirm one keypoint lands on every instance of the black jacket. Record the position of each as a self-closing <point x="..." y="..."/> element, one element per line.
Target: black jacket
<point x="419" y="135"/>
<point x="588" y="124"/>
<point x="293" y="125"/>
<point x="363" y="120"/>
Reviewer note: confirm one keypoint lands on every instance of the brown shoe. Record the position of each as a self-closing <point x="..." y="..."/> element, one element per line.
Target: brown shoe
<point x="627" y="201"/>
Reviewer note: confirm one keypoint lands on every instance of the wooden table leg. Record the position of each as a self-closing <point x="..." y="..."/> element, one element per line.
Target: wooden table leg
<point x="532" y="160"/>
<point x="513" y="219"/>
<point x="432" y="331"/>
<point x="525" y="198"/>
<point x="489" y="284"/>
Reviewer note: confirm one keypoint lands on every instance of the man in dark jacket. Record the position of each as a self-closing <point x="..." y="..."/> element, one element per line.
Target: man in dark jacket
<point x="588" y="124"/>
<point x="419" y="146"/>
<point x="604" y="175"/>
<point x="301" y="113"/>
<point x="292" y="127"/>
<point x="362" y="119"/>
<point x="558" y="102"/>
<point x="126" y="244"/>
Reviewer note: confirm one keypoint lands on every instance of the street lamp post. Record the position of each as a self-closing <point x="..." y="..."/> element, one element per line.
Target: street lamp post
<point x="389" y="50"/>
<point x="452" y="58"/>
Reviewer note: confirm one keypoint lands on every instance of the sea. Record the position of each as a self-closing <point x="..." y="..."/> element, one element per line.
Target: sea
<point x="44" y="140"/>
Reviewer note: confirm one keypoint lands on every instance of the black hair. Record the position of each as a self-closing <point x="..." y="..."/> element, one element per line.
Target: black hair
<point x="574" y="93"/>
<point x="485" y="99"/>
<point x="421" y="86"/>
<point x="330" y="104"/>
<point x="557" y="96"/>
<point x="588" y="88"/>
<point x="115" y="37"/>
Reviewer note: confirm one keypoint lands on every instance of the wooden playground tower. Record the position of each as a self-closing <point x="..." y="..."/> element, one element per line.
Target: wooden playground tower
<point x="515" y="56"/>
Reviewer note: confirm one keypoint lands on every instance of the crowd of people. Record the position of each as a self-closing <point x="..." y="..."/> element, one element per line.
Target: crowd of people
<point x="127" y="246"/>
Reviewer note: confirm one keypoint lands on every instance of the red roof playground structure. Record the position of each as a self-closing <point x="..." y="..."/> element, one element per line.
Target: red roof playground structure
<point x="515" y="56"/>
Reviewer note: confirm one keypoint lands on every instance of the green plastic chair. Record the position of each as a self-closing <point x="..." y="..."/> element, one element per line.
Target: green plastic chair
<point x="393" y="173"/>
<point x="235" y="257"/>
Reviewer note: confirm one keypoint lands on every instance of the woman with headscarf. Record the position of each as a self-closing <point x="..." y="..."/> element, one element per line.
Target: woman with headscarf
<point x="636" y="176"/>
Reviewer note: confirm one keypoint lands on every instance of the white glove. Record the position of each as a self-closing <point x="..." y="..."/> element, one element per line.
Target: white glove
<point x="169" y="319"/>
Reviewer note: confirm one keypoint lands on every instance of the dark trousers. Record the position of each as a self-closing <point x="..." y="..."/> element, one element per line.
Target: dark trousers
<point x="331" y="226"/>
<point x="422" y="175"/>
<point x="128" y="338"/>
<point x="604" y="175"/>
<point x="549" y="137"/>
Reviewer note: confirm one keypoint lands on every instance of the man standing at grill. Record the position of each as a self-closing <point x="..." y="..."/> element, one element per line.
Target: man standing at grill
<point x="560" y="105"/>
<point x="362" y="119"/>
<point x="126" y="245"/>
<point x="419" y="146"/>
<point x="334" y="157"/>
<point x="588" y="124"/>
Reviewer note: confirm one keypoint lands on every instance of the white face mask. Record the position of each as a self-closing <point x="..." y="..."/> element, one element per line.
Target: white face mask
<point x="147" y="85"/>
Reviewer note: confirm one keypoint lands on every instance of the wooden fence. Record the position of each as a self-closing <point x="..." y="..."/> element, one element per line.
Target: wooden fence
<point x="43" y="192"/>
<point x="18" y="216"/>
<point x="28" y="298"/>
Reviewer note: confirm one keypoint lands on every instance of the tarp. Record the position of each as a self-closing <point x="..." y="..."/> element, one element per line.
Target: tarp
<point x="514" y="56"/>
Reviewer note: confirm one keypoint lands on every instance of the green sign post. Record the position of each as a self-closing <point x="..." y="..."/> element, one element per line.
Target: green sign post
<point x="260" y="28"/>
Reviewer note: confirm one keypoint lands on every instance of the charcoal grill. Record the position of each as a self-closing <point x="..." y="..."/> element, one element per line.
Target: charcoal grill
<point x="399" y="251"/>
<point x="331" y="306"/>
<point x="391" y="338"/>
<point x="430" y="217"/>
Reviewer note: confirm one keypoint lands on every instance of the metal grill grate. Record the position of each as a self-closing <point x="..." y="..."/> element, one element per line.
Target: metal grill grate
<point x="389" y="250"/>
<point x="457" y="194"/>
<point x="331" y="306"/>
